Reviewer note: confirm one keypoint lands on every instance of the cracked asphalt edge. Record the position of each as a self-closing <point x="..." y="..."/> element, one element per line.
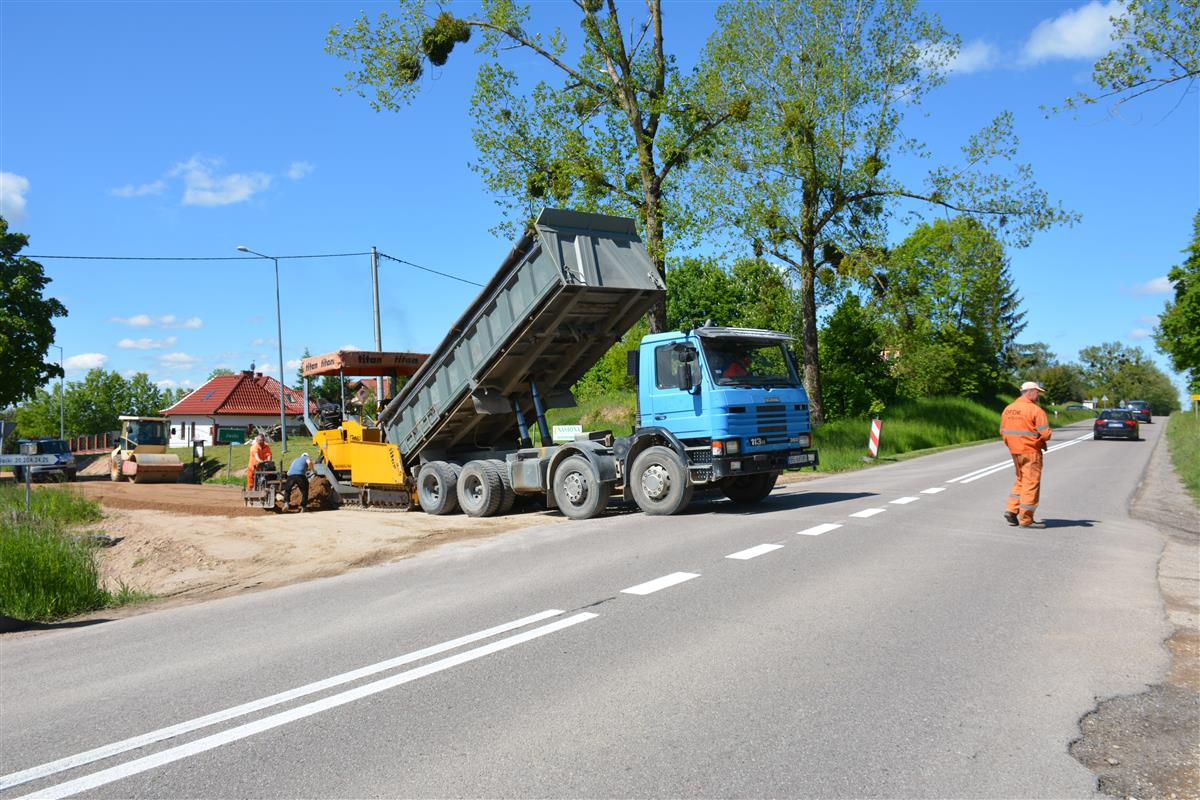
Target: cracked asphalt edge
<point x="1148" y="744"/>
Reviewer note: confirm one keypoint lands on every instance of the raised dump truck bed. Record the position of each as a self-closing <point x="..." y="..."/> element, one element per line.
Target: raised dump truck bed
<point x="563" y="296"/>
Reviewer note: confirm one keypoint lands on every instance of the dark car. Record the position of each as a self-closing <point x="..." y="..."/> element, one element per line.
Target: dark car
<point x="63" y="468"/>
<point x="1140" y="409"/>
<point x="1116" y="423"/>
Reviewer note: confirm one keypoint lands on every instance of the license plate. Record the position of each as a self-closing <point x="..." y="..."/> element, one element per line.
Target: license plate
<point x="801" y="458"/>
<point x="758" y="441"/>
<point x="1116" y="425"/>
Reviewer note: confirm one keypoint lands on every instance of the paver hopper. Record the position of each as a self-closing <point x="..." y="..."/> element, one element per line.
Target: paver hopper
<point x="141" y="452"/>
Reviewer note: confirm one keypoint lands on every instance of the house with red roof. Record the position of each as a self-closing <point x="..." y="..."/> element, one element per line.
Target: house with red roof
<point x="228" y="408"/>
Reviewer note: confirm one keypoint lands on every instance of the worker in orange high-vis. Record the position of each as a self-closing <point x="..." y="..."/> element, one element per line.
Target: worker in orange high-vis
<point x="1026" y="431"/>
<point x="260" y="451"/>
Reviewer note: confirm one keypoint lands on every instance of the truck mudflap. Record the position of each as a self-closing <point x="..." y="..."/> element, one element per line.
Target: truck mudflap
<point x="752" y="463"/>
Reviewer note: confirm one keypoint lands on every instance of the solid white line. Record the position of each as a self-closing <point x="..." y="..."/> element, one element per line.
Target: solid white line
<point x="70" y="762"/>
<point x="934" y="490"/>
<point x="754" y="552"/>
<point x="216" y="740"/>
<point x="868" y="512"/>
<point x="1000" y="468"/>
<point x="660" y="583"/>
<point x="819" y="529"/>
<point x="903" y="501"/>
<point x="981" y="469"/>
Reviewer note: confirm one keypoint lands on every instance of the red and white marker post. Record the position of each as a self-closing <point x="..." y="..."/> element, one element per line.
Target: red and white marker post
<point x="873" y="445"/>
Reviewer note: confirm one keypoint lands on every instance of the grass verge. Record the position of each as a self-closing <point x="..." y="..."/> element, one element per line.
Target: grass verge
<point x="1183" y="441"/>
<point x="47" y="572"/>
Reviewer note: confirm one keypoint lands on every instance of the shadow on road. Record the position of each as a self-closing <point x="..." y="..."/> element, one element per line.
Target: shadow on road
<point x="778" y="502"/>
<point x="10" y="624"/>
<point x="1069" y="523"/>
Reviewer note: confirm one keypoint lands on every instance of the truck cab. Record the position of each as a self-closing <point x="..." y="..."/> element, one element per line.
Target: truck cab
<point x="727" y="402"/>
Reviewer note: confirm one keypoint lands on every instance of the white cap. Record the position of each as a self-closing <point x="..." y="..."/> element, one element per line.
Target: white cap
<point x="1027" y="385"/>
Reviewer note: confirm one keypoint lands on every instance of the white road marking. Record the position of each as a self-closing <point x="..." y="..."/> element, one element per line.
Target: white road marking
<point x="934" y="490"/>
<point x="70" y="762"/>
<point x="216" y="740"/>
<point x="819" y="529"/>
<point x="903" y="501"/>
<point x="868" y="512"/>
<point x="981" y="469"/>
<point x="1008" y="464"/>
<point x="665" y="581"/>
<point x="754" y="552"/>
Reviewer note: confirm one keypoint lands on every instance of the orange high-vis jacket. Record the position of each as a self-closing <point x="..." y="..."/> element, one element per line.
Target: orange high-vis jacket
<point x="259" y="453"/>
<point x="1024" y="426"/>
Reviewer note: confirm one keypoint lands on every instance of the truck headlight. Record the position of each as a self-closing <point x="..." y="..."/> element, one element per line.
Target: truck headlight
<point x="728" y="447"/>
<point x="803" y="440"/>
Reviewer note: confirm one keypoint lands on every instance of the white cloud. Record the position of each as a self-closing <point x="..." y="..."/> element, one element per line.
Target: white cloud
<point x="261" y="342"/>
<point x="1160" y="285"/>
<point x="177" y="360"/>
<point x="300" y="169"/>
<point x="974" y="56"/>
<point x="13" y="188"/>
<point x="1084" y="32"/>
<point x="1140" y="333"/>
<point x="203" y="187"/>
<point x="129" y="190"/>
<point x="147" y="344"/>
<point x="266" y="368"/>
<point x="86" y="361"/>
<point x="349" y="347"/>
<point x="165" y="321"/>
<point x="293" y="363"/>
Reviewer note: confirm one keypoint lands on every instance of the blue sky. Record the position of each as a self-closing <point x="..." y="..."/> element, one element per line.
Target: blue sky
<point x="186" y="129"/>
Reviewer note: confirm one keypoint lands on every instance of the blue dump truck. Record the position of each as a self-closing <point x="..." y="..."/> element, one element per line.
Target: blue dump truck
<point x="718" y="408"/>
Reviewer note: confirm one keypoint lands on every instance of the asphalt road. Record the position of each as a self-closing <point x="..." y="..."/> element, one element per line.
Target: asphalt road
<point x="926" y="649"/>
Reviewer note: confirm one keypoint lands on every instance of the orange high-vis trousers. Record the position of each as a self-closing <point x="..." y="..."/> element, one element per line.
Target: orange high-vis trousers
<point x="1027" y="488"/>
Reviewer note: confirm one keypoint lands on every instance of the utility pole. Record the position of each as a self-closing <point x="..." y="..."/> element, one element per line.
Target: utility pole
<point x="378" y="335"/>
<point x="62" y="433"/>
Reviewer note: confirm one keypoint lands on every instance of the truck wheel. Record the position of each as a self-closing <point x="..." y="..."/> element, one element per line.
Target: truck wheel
<point x="659" y="482"/>
<point x="114" y="470"/>
<point x="510" y="497"/>
<point x="746" y="490"/>
<point x="578" y="490"/>
<point x="480" y="490"/>
<point x="436" y="488"/>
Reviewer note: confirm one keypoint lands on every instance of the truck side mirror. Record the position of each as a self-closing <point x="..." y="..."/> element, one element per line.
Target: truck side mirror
<point x="631" y="364"/>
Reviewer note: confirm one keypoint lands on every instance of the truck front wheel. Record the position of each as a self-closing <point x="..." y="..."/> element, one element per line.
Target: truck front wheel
<point x="659" y="482"/>
<point x="746" y="490"/>
<point x="578" y="490"/>
<point x="437" y="488"/>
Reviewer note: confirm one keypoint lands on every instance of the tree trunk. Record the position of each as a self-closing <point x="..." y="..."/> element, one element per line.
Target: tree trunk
<point x="808" y="320"/>
<point x="658" y="255"/>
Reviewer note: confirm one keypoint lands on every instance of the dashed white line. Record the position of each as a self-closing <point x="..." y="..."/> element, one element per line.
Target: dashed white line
<point x="903" y="501"/>
<point x="660" y="583"/>
<point x="179" y="752"/>
<point x="817" y="530"/>
<point x="868" y="512"/>
<point x="754" y="552"/>
<point x="933" y="490"/>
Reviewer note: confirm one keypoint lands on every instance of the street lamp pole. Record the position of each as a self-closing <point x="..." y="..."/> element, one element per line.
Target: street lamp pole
<point x="279" y="335"/>
<point x="62" y="434"/>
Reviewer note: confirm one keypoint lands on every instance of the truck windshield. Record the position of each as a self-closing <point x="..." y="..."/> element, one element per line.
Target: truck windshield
<point x="737" y="362"/>
<point x="150" y="433"/>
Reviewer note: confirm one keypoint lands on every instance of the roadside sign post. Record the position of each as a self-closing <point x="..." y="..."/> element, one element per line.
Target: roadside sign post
<point x="27" y="461"/>
<point x="873" y="441"/>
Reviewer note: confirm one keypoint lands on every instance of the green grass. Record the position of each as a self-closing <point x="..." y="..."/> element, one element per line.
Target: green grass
<point x="615" y="412"/>
<point x="1183" y="440"/>
<point x="47" y="571"/>
<point x="221" y="463"/>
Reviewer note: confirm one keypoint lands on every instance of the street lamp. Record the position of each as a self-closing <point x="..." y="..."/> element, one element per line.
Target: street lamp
<point x="279" y="334"/>
<point x="62" y="434"/>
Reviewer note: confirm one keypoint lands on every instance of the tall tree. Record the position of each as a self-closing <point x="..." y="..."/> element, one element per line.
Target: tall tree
<point x="811" y="178"/>
<point x="750" y="294"/>
<point x="857" y="376"/>
<point x="1178" y="333"/>
<point x="26" y="320"/>
<point x="1157" y="44"/>
<point x="1127" y="373"/>
<point x="1025" y="359"/>
<point x="611" y="132"/>
<point x="950" y="309"/>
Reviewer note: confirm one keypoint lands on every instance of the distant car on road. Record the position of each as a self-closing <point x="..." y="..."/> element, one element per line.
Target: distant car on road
<point x="1116" y="423"/>
<point x="1076" y="407"/>
<point x="62" y="469"/>
<point x="1140" y="409"/>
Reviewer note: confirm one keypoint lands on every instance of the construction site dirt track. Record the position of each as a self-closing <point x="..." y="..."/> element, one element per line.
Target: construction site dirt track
<point x="182" y="498"/>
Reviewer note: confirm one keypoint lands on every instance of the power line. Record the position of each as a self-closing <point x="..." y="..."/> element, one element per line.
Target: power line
<point x="194" y="258"/>
<point x="427" y="269"/>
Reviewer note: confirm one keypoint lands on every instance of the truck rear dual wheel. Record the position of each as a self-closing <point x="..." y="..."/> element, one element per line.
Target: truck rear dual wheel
<point x="659" y="482"/>
<point x="482" y="488"/>
<point x="578" y="490"/>
<point x="437" y="488"/>
<point x="746" y="490"/>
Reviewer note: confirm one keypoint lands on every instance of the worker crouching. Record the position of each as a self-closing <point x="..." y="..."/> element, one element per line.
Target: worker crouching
<point x="1026" y="431"/>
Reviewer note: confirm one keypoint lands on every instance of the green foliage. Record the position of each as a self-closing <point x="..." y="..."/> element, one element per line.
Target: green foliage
<point x="26" y="326"/>
<point x="65" y="506"/>
<point x="610" y="374"/>
<point x="1178" y="332"/>
<point x="808" y="178"/>
<point x="1183" y="439"/>
<point x="616" y="411"/>
<point x="1158" y="44"/>
<point x="857" y="379"/>
<point x="950" y="310"/>
<point x="752" y="294"/>
<point x="1062" y="382"/>
<point x="218" y="372"/>
<point x="93" y="404"/>
<point x="1126" y="373"/>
